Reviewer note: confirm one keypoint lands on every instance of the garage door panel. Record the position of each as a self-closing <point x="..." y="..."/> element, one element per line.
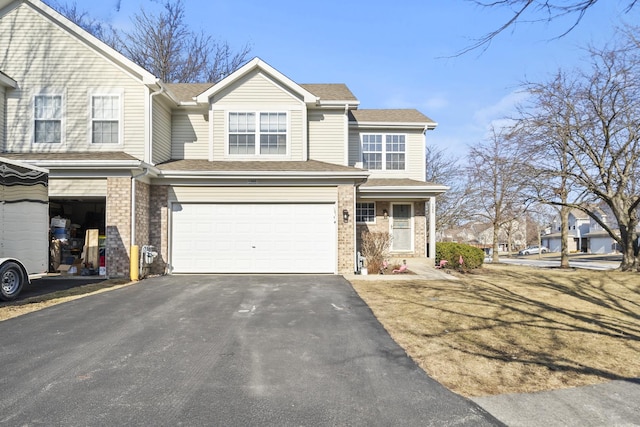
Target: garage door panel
<point x="253" y="238"/>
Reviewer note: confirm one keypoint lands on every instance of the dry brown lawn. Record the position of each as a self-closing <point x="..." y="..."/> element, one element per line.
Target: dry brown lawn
<point x="18" y="308"/>
<point x="507" y="329"/>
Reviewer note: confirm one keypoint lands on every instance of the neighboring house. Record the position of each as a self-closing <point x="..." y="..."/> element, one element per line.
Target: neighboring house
<point x="578" y="230"/>
<point x="255" y="174"/>
<point x="480" y="234"/>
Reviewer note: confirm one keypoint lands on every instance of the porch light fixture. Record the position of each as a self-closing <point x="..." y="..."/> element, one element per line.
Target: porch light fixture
<point x="345" y="215"/>
<point x="385" y="213"/>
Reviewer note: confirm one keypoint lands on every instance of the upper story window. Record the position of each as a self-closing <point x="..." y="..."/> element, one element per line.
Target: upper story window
<point x="270" y="129"/>
<point x="389" y="155"/>
<point x="105" y="119"/>
<point x="47" y="119"/>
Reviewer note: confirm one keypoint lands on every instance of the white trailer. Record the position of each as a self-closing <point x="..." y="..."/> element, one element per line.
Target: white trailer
<point x="24" y="225"/>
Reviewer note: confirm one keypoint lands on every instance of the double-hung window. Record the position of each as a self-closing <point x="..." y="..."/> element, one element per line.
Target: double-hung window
<point x="268" y="128"/>
<point x="242" y="133"/>
<point x="383" y="151"/>
<point x="365" y="212"/>
<point x="47" y="119"/>
<point x="105" y="119"/>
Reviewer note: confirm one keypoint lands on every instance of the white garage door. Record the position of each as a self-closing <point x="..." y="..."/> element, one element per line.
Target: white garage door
<point x="253" y="238"/>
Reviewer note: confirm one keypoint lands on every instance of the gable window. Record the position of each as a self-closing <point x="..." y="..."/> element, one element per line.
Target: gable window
<point x="389" y="155"/>
<point x="105" y="119"/>
<point x="365" y="212"/>
<point x="270" y="129"/>
<point x="47" y="119"/>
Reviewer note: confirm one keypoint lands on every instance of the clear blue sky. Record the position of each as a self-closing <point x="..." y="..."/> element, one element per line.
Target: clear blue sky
<point x="398" y="54"/>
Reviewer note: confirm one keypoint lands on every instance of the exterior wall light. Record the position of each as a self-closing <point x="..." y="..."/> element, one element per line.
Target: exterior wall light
<point x="345" y="215"/>
<point x="385" y="213"/>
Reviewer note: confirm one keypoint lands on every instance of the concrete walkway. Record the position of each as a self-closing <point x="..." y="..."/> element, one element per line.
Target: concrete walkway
<point x="615" y="403"/>
<point x="419" y="269"/>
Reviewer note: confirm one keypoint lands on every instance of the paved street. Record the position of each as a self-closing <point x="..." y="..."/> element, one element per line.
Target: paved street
<point x="591" y="262"/>
<point x="217" y="350"/>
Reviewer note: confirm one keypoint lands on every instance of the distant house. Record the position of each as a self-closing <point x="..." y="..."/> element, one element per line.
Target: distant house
<point x="579" y="225"/>
<point x="585" y="233"/>
<point x="480" y="234"/>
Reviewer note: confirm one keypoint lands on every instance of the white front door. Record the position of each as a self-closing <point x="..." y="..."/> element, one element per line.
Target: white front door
<point x="401" y="227"/>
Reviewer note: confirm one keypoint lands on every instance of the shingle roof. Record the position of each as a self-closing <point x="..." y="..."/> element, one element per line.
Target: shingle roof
<point x="330" y="91"/>
<point x="79" y="156"/>
<point x="185" y="92"/>
<point x="389" y="116"/>
<point x="253" y="166"/>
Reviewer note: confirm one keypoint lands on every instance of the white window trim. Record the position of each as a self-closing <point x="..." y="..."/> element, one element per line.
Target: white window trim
<point x="63" y="118"/>
<point x="375" y="216"/>
<point x="384" y="149"/>
<point x="105" y="92"/>
<point x="256" y="154"/>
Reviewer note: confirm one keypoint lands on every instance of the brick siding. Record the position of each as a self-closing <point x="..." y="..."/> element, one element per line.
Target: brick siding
<point x="346" y="241"/>
<point x="118" y="240"/>
<point x="159" y="227"/>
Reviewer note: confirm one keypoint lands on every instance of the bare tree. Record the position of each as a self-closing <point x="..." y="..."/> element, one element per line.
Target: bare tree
<point x="99" y="29"/>
<point x="592" y="117"/>
<point x="536" y="11"/>
<point x="164" y="45"/>
<point x="452" y="207"/>
<point x="496" y="168"/>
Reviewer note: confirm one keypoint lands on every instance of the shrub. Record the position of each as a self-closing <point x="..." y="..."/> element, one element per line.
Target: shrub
<point x="451" y="252"/>
<point x="375" y="248"/>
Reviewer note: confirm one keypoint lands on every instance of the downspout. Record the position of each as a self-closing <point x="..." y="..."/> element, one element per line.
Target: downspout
<point x="150" y="133"/>
<point x="146" y="170"/>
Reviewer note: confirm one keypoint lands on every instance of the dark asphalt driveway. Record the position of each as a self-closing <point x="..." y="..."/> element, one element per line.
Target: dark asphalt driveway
<point x="217" y="350"/>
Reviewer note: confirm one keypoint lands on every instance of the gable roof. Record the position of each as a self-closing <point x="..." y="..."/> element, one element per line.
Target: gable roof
<point x="87" y="38"/>
<point x="186" y="92"/>
<point x="257" y="64"/>
<point x="392" y="117"/>
<point x="330" y="91"/>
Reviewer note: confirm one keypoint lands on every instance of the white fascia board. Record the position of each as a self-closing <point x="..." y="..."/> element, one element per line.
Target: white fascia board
<point x="256" y="63"/>
<point x="116" y="57"/>
<point x="401" y="192"/>
<point x="7" y="81"/>
<point x="404" y="125"/>
<point x="23" y="164"/>
<point x="351" y="104"/>
<point x="263" y="174"/>
<point x="91" y="164"/>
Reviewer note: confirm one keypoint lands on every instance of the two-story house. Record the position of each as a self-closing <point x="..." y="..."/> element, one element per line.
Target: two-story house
<point x="578" y="229"/>
<point x="255" y="174"/>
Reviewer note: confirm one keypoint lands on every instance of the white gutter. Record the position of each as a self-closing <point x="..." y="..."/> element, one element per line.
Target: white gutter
<point x="145" y="172"/>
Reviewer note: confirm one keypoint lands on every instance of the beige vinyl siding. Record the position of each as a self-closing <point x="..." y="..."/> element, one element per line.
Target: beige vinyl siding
<point x="414" y="155"/>
<point x="326" y="136"/>
<point x="258" y="91"/>
<point x="253" y="194"/>
<point x="39" y="55"/>
<point x="189" y="136"/>
<point x="295" y="136"/>
<point x="161" y="132"/>
<point x="85" y="187"/>
<point x="2" y="117"/>
<point x="355" y="156"/>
